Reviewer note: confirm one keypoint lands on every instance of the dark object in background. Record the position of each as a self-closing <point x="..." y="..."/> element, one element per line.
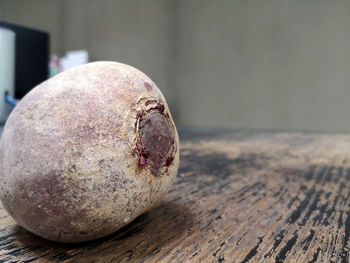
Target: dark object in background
<point x="32" y="56"/>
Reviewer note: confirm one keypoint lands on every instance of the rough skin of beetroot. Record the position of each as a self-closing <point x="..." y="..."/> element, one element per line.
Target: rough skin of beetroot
<point x="86" y="152"/>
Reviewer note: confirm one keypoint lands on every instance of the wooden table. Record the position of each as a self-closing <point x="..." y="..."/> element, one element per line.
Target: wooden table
<point x="240" y="196"/>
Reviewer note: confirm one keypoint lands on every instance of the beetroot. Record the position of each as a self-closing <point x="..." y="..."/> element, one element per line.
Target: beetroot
<point x="86" y="152"/>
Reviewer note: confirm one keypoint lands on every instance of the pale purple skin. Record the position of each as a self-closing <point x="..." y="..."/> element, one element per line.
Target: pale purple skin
<point x="86" y="152"/>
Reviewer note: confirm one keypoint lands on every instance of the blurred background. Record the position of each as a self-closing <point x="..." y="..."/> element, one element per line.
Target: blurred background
<point x="246" y="64"/>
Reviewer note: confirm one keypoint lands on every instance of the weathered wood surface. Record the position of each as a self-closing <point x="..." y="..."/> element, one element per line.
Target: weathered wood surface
<point x="240" y="196"/>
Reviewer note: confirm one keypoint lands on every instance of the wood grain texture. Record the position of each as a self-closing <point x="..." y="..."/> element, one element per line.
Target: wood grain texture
<point x="240" y="196"/>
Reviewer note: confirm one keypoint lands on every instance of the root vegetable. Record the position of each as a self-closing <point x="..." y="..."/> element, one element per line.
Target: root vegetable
<point x="86" y="152"/>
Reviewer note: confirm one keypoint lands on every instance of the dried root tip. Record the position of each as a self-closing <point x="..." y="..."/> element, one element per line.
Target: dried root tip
<point x="156" y="139"/>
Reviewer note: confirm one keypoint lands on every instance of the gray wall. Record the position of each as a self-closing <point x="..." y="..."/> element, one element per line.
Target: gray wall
<point x="262" y="64"/>
<point x="269" y="64"/>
